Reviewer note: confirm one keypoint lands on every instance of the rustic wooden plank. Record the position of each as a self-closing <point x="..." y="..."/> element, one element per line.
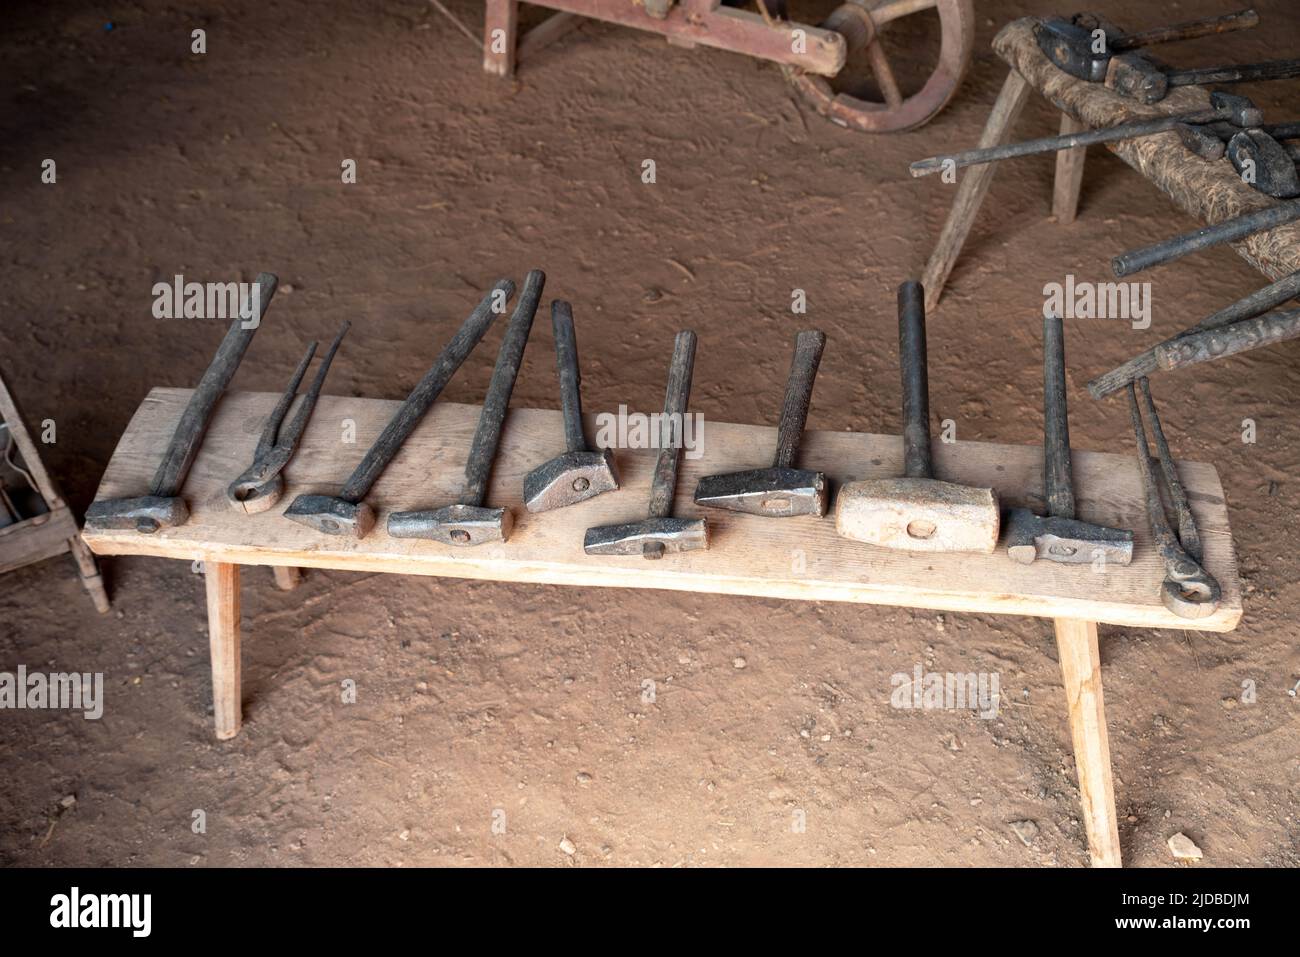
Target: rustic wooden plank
<point x="748" y="555"/>
<point x="1207" y="190"/>
<point x="36" y="539"/>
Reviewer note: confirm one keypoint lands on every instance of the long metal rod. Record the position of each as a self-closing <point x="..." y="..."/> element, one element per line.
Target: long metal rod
<point x="1241" y="20"/>
<point x="1058" y="480"/>
<point x="420" y="400"/>
<point x="185" y="441"/>
<point x="484" y="447"/>
<point x="1243" y="73"/>
<point x="808" y="347"/>
<point x="1258" y="302"/>
<point x="1051" y="144"/>
<point x="916" y="386"/>
<point x="566" y="362"/>
<point x="1230" y="230"/>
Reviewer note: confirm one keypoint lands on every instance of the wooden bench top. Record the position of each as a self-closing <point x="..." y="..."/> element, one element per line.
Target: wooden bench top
<point x="796" y="558"/>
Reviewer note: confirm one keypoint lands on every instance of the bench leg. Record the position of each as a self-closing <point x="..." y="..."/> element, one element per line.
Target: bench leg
<point x="1076" y="645"/>
<point x="89" y="572"/>
<point x="1069" y="173"/>
<point x="974" y="183"/>
<point x="500" y="34"/>
<point x="222" y="583"/>
<point x="287" y="577"/>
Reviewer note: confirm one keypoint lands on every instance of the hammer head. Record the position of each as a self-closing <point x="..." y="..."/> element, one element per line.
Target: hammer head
<point x="146" y="514"/>
<point x="650" y="539"/>
<point x="1065" y="540"/>
<point x="454" y="524"/>
<point x="775" y="492"/>
<point x="919" y="514"/>
<point x="333" y="516"/>
<point x="1241" y="110"/>
<point x="569" y="479"/>
<point x="1264" y="163"/>
<point x="1135" y="76"/>
<point x="1070" y="47"/>
<point x="1201" y="141"/>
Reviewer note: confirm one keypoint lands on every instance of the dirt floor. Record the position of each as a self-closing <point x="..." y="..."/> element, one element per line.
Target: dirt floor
<point x="480" y="701"/>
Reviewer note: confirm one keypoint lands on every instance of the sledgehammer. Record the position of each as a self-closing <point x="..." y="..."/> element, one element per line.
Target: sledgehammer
<point x="917" y="512"/>
<point x="1059" y="536"/>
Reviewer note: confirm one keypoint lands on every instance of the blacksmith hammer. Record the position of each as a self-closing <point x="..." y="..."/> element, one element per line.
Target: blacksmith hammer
<point x="660" y="532"/>
<point x="262" y="484"/>
<point x="469" y="522"/>
<point x="163" y="507"/>
<point x="917" y="512"/>
<point x="1138" y="77"/>
<point x="1073" y="48"/>
<point x="347" y="513"/>
<point x="580" y="473"/>
<point x="1059" y="536"/>
<point x="781" y="490"/>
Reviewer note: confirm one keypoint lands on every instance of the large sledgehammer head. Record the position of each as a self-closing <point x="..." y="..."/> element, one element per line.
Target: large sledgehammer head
<point x="454" y="524"/>
<point x="146" y="514"/>
<point x="569" y="479"/>
<point x="918" y="514"/>
<point x="775" y="492"/>
<point x="1065" y="540"/>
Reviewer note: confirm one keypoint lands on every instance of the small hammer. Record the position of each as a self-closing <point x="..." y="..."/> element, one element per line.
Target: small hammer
<point x="469" y="522"/>
<point x="580" y="473"/>
<point x="163" y="507"/>
<point x="917" y="512"/>
<point x="781" y="490"/>
<point x="1059" y="536"/>
<point x="660" y="532"/>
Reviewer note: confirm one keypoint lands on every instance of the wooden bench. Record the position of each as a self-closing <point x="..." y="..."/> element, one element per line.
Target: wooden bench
<point x="798" y="559"/>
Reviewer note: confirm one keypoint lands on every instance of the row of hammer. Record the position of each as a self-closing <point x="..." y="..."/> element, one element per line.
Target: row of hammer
<point x="915" y="512"/>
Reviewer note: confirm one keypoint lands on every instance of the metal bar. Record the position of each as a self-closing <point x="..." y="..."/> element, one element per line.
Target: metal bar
<point x="1057" y="477"/>
<point x="1243" y="73"/>
<point x="420" y="400"/>
<point x="916" y="388"/>
<point x="566" y="361"/>
<point x="497" y="402"/>
<point x="1210" y="26"/>
<point x="185" y="441"/>
<point x="1230" y="230"/>
<point x="808" y="347"/>
<point x="1258" y="302"/>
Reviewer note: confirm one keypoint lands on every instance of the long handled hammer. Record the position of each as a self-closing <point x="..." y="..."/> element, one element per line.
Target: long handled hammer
<point x="917" y="512"/>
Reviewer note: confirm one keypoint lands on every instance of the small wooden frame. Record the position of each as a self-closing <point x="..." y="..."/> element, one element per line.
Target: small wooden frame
<point x="53" y="532"/>
<point x="1205" y="189"/>
<point x="798" y="559"/>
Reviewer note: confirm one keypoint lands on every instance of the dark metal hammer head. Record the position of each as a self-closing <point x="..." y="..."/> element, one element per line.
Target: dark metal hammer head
<point x="1064" y="540"/>
<point x="1072" y="49"/>
<point x="569" y="479"/>
<point x="454" y="524"/>
<point x="774" y="492"/>
<point x="650" y="539"/>
<point x="146" y="514"/>
<point x="331" y="515"/>
<point x="1137" y="77"/>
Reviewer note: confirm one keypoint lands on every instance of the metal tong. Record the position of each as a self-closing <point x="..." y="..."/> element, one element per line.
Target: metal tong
<point x="261" y="485"/>
<point x="1189" y="591"/>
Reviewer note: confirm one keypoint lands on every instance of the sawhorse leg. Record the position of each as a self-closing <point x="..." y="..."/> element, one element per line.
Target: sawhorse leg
<point x="1069" y="173"/>
<point x="973" y="185"/>
<point x="222" y="584"/>
<point x="89" y="572"/>
<point x="1076" y="646"/>
<point x="500" y="34"/>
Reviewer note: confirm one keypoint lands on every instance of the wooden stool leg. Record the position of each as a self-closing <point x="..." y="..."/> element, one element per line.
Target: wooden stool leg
<point x="1069" y="173"/>
<point x="222" y="582"/>
<point x="287" y="578"/>
<point x="974" y="183"/>
<point x="500" y="33"/>
<point x="89" y="572"/>
<point x="1076" y="645"/>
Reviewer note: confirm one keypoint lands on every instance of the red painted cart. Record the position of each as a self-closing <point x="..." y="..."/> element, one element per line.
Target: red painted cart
<point x="810" y="56"/>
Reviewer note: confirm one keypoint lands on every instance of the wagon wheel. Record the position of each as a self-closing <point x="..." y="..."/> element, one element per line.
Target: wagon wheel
<point x="861" y="22"/>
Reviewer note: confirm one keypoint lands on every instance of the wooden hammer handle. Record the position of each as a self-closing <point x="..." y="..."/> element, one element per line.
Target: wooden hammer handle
<point x="916" y="386"/>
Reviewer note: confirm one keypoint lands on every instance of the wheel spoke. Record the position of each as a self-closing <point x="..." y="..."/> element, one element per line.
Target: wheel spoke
<point x="884" y="74"/>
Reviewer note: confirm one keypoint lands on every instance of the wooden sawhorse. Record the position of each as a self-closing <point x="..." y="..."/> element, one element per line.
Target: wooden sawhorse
<point x="797" y="559"/>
